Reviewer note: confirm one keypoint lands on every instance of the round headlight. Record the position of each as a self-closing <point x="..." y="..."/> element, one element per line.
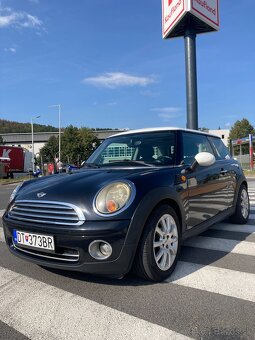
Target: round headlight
<point x="114" y="197"/>
<point x="15" y="191"/>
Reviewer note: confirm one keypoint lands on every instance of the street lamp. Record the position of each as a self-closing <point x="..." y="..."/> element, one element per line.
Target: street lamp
<point x="59" y="129"/>
<point x="32" y="132"/>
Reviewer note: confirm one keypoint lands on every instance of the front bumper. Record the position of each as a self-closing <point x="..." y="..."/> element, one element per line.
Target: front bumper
<point x="71" y="246"/>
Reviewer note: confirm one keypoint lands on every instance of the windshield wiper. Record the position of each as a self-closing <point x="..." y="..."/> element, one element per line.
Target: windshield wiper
<point x="90" y="165"/>
<point x="129" y="161"/>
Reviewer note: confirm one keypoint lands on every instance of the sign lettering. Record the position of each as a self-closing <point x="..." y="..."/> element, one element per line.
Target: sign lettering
<point x="175" y="11"/>
<point x="207" y="9"/>
<point x="6" y="153"/>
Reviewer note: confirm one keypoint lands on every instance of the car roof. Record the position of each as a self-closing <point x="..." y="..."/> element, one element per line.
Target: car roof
<point x="159" y="129"/>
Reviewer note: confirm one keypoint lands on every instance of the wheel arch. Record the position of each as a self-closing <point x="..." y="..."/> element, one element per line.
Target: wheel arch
<point x="144" y="263"/>
<point x="172" y="203"/>
<point x="242" y="181"/>
<point x="148" y="204"/>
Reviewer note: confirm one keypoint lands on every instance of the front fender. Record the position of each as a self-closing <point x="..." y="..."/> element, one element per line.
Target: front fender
<point x="151" y="200"/>
<point x="240" y="180"/>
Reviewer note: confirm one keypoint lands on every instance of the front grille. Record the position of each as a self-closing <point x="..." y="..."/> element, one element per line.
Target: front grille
<point x="64" y="256"/>
<point x="46" y="212"/>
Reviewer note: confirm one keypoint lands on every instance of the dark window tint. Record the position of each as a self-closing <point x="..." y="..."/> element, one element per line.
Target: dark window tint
<point x="220" y="149"/>
<point x="193" y="144"/>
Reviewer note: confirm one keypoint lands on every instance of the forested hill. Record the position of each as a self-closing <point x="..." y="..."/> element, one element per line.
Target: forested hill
<point x="7" y="126"/>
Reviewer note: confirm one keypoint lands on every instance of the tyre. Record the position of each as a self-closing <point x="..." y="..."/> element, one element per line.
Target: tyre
<point x="241" y="214"/>
<point x="159" y="247"/>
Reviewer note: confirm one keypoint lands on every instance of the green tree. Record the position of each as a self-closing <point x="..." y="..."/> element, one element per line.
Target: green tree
<point x="50" y="150"/>
<point x="242" y="128"/>
<point x="71" y="146"/>
<point x="1" y="140"/>
<point x="89" y="142"/>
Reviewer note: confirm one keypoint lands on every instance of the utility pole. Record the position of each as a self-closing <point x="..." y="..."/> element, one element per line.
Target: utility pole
<point x="59" y="129"/>
<point x="32" y="137"/>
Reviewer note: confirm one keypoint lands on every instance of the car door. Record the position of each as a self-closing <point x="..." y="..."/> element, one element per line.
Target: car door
<point x="205" y="185"/>
<point x="228" y="168"/>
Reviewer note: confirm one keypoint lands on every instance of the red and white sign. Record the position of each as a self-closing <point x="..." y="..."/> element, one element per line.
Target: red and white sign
<point x="175" y="11"/>
<point x="172" y="13"/>
<point x="207" y="11"/>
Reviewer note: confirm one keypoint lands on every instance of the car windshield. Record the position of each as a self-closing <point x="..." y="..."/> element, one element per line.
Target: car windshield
<point x="149" y="149"/>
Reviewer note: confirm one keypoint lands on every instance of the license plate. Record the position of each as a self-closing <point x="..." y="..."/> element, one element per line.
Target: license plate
<point x="34" y="240"/>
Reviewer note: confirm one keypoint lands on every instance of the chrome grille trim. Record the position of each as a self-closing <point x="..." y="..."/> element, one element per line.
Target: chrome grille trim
<point x="43" y="216"/>
<point x="46" y="212"/>
<point x="56" y="256"/>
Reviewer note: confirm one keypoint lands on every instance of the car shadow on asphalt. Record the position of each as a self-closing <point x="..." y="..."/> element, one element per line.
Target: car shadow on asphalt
<point x="129" y="279"/>
<point x="191" y="260"/>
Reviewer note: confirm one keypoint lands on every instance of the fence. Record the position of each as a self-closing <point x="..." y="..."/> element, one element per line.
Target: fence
<point x="244" y="160"/>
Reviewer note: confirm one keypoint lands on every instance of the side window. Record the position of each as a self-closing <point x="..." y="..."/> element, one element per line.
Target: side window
<point x="193" y="144"/>
<point x="220" y="149"/>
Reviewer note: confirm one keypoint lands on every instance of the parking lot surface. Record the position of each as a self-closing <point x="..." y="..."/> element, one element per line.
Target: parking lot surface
<point x="210" y="295"/>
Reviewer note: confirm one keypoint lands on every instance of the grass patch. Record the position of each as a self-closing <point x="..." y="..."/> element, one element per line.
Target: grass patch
<point x="249" y="173"/>
<point x="15" y="180"/>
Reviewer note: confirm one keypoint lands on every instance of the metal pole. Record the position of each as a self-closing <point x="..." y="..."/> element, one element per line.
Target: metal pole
<point x="32" y="132"/>
<point x="251" y="152"/>
<point x="59" y="140"/>
<point x="59" y="130"/>
<point x="191" y="79"/>
<point x="33" y="151"/>
<point x="231" y="147"/>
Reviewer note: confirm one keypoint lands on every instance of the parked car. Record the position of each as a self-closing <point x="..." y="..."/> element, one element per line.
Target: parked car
<point x="134" y="202"/>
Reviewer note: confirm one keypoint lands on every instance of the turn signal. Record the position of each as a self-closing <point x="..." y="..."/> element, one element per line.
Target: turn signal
<point x="111" y="206"/>
<point x="183" y="178"/>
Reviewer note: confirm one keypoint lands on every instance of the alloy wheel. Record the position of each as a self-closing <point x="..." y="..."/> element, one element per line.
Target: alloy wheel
<point x="165" y="242"/>
<point x="244" y="203"/>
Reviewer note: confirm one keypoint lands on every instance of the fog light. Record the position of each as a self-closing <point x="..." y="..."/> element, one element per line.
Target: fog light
<point x="100" y="250"/>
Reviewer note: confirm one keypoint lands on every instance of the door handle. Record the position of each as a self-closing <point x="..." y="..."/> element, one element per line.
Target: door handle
<point x="223" y="172"/>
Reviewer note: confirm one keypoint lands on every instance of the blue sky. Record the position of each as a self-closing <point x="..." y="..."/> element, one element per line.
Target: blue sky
<point x="105" y="62"/>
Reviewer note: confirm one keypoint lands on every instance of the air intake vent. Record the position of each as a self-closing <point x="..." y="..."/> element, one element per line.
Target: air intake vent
<point x="46" y="212"/>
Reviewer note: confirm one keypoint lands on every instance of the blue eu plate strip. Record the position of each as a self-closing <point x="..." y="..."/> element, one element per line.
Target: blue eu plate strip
<point x="15" y="236"/>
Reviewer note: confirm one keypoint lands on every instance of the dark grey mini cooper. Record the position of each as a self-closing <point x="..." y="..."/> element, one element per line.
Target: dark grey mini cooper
<point x="135" y="200"/>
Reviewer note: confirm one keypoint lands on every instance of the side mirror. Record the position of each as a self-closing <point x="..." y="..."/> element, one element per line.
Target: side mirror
<point x="203" y="159"/>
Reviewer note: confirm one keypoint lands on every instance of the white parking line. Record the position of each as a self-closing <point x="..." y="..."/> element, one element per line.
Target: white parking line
<point x="44" y="319"/>
<point x="228" y="246"/>
<point x="240" y="228"/>
<point x="2" y="235"/>
<point x="215" y="280"/>
<point x="1" y="213"/>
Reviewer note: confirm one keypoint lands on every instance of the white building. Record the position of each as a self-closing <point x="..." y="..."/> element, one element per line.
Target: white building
<point x="41" y="138"/>
<point x="223" y="134"/>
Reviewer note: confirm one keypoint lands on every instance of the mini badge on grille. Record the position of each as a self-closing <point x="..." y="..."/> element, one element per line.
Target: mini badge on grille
<point x="41" y="194"/>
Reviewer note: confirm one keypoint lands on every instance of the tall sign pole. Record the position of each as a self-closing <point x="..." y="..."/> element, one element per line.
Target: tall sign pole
<point x="191" y="79"/>
<point x="188" y="18"/>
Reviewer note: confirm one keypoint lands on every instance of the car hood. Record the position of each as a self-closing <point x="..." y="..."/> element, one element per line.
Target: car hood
<point x="78" y="186"/>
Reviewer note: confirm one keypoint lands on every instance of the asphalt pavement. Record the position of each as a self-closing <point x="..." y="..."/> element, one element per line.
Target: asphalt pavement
<point x="210" y="295"/>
